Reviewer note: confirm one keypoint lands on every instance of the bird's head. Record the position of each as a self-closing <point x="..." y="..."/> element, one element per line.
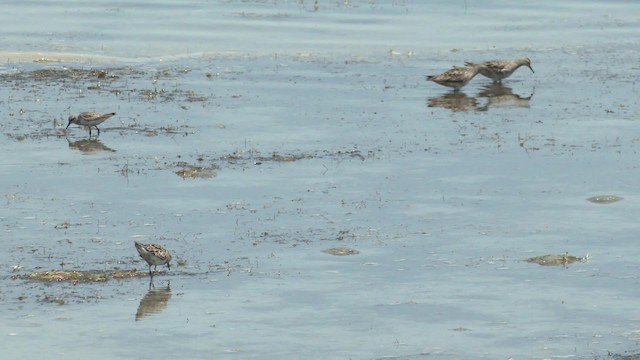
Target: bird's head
<point x="72" y="119"/>
<point x="526" y="62"/>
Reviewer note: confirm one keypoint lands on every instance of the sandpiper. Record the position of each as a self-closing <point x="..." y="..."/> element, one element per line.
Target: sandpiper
<point x="457" y="77"/>
<point x="154" y="254"/>
<point x="502" y="69"/>
<point x="89" y="119"/>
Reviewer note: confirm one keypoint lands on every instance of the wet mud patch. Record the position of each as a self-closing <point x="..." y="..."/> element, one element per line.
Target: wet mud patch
<point x="78" y="139"/>
<point x="116" y="80"/>
<point x="282" y="238"/>
<point x="57" y="82"/>
<point x="200" y="166"/>
<point x="612" y="356"/>
<point x="169" y="95"/>
<point x="73" y="295"/>
<point x="255" y="157"/>
<point x="64" y="75"/>
<point x="307" y="236"/>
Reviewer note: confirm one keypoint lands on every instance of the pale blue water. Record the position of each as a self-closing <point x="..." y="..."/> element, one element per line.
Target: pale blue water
<point x="443" y="194"/>
<point x="141" y="30"/>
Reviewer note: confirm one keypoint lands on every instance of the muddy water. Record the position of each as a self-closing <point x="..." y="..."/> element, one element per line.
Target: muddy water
<point x="331" y="138"/>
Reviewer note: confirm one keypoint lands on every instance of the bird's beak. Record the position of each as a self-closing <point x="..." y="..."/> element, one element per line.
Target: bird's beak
<point x="68" y="124"/>
<point x="529" y="66"/>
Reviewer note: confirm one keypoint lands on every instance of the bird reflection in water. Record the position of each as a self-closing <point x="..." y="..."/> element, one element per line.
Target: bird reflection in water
<point x="154" y="301"/>
<point x="455" y="101"/>
<point x="89" y="146"/>
<point x="498" y="95"/>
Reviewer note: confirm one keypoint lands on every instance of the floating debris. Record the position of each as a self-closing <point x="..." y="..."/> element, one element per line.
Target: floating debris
<point x="460" y="328"/>
<point x="556" y="260"/>
<point x="46" y="60"/>
<point x="605" y="199"/>
<point x="53" y="299"/>
<point x="64" y="225"/>
<point x="192" y="172"/>
<point x="341" y="251"/>
<point x="624" y="357"/>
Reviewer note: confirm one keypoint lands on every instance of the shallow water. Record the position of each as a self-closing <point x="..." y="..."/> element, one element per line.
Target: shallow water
<point x="320" y="131"/>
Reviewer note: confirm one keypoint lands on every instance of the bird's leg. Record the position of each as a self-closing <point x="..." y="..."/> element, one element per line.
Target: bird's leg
<point x="98" y="130"/>
<point x="150" y="273"/>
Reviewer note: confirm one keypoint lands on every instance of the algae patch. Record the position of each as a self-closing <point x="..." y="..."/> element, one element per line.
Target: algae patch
<point x="75" y="276"/>
<point x="66" y="275"/>
<point x="604" y="199"/>
<point x="341" y="251"/>
<point x="193" y="172"/>
<point x="556" y="260"/>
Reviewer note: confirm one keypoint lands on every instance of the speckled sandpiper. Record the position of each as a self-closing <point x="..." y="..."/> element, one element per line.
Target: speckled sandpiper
<point x="501" y="69"/>
<point x="456" y="77"/>
<point x="154" y="254"/>
<point x="89" y="119"/>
